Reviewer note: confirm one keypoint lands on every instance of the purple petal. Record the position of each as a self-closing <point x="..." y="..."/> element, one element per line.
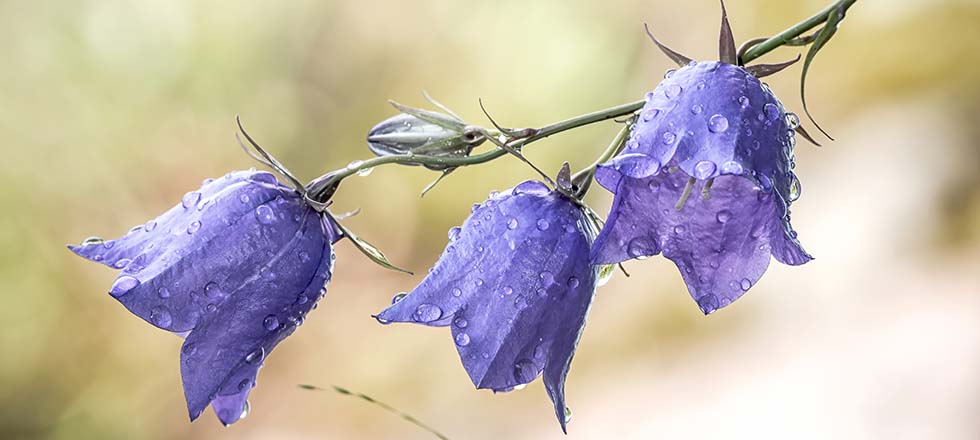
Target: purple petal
<point x="713" y="119"/>
<point x="721" y="245"/>
<point x="515" y="286"/>
<point x="235" y="267"/>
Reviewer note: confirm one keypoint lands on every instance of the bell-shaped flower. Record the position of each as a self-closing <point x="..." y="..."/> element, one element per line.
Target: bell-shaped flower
<point x="234" y="268"/>
<point x="710" y="129"/>
<point x="514" y="284"/>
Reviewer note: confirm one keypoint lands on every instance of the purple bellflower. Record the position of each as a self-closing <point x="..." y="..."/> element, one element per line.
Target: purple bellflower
<point x="514" y="284"/>
<point x="234" y="269"/>
<point x="711" y="128"/>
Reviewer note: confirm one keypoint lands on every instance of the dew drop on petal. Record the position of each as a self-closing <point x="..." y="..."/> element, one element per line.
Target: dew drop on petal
<point x="743" y="101"/>
<point x="460" y="322"/>
<point x="243" y="198"/>
<point x="717" y="124"/>
<point x="264" y="214"/>
<point x="696" y="109"/>
<point x="543" y="224"/>
<point x="672" y="91"/>
<point x="122" y="285"/>
<point x="462" y="339"/>
<point x="255" y="356"/>
<point x="194" y="227"/>
<point x="150" y="226"/>
<point x="732" y="167"/>
<point x="679" y="229"/>
<point x="745" y="284"/>
<point x="572" y="282"/>
<point x="507" y="290"/>
<point x="163" y="292"/>
<point x="398" y="297"/>
<point x="668" y="138"/>
<point x="270" y="322"/>
<point x="512" y="224"/>
<point x="427" y="313"/>
<point x="190" y="199"/>
<point x="708" y="303"/>
<point x="122" y="263"/>
<point x="161" y="317"/>
<point x="640" y="248"/>
<point x="456" y="292"/>
<point x="524" y="371"/>
<point x="723" y="216"/>
<point x="704" y="169"/>
<point x="772" y="112"/>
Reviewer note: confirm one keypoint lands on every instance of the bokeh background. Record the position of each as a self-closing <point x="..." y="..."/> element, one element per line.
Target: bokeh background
<point x="110" y="110"/>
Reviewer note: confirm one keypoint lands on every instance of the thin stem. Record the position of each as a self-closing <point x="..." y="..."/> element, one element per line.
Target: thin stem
<point x="794" y="31"/>
<point x="583" y="179"/>
<point x="450" y="162"/>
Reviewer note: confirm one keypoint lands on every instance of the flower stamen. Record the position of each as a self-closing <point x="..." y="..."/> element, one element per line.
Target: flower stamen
<point x="685" y="194"/>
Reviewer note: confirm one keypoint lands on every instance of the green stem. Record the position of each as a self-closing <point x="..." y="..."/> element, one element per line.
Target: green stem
<point x="583" y="179"/>
<point x="794" y="31"/>
<point x="316" y="187"/>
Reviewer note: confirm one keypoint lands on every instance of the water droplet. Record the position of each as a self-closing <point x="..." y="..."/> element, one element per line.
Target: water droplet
<point x="190" y="199"/>
<point x="150" y="226"/>
<point x="743" y="101"/>
<point x="365" y="172"/>
<point x="568" y="414"/>
<point x="572" y="282"/>
<point x="213" y="291"/>
<point x="512" y="224"/>
<point x="211" y="308"/>
<point x="456" y="292"/>
<point x="161" y="317"/>
<point x="669" y="73"/>
<point x="302" y="299"/>
<point x="668" y="138"/>
<point x="255" y="356"/>
<point x="745" y="284"/>
<point x="732" y="167"/>
<point x="265" y="215"/>
<point x="532" y="187"/>
<point x="649" y="114"/>
<point x="478" y="282"/>
<point x="507" y="290"/>
<point x="193" y="227"/>
<point x="462" y="339"/>
<point x="398" y="297"/>
<point x="648" y="96"/>
<point x="672" y="91"/>
<point x="679" y="229"/>
<point x="795" y="190"/>
<point x="758" y="230"/>
<point x="303" y="256"/>
<point x="704" y="169"/>
<point x="122" y="263"/>
<point x="460" y="322"/>
<point x="772" y="112"/>
<point x="354" y="164"/>
<point x="427" y="313"/>
<point x="244" y="198"/>
<point x="525" y="371"/>
<point x="717" y="124"/>
<point x="708" y="303"/>
<point x="641" y="247"/>
<point x="122" y="285"/>
<point x="542" y="224"/>
<point x="270" y="322"/>
<point x="188" y="349"/>
<point x="547" y="278"/>
<point x="520" y="387"/>
<point x="792" y="120"/>
<point x="163" y="292"/>
<point x="723" y="216"/>
<point x="696" y="109"/>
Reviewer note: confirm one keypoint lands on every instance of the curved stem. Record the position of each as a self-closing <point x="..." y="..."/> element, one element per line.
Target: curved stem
<point x="794" y="31"/>
<point x="317" y="186"/>
<point x="583" y="179"/>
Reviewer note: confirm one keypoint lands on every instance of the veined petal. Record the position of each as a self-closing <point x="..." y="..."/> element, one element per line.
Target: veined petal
<point x="515" y="285"/>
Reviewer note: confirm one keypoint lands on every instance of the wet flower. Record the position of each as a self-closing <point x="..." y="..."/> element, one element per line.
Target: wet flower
<point x="514" y="284"/>
<point x="710" y="129"/>
<point x="234" y="269"/>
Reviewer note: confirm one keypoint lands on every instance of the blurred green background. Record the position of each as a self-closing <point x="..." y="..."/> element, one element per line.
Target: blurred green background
<point x="110" y="110"/>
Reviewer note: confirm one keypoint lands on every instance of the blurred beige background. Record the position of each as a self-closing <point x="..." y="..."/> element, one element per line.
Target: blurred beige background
<point x="110" y="110"/>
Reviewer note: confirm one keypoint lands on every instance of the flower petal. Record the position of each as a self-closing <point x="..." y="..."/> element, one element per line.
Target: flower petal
<point x="721" y="245"/>
<point x="515" y="284"/>
<point x="223" y="353"/>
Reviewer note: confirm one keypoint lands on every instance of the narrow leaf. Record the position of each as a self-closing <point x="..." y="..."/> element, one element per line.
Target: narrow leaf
<point x="764" y="70"/>
<point x="681" y="60"/>
<point x="726" y="41"/>
<point x="442" y="120"/>
<point x="373" y="253"/>
<point x="828" y="31"/>
<point x="405" y="416"/>
<point x="799" y="129"/>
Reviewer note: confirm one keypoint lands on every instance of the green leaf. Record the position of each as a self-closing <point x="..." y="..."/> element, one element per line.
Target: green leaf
<point x="445" y="121"/>
<point x="825" y="34"/>
<point x="368" y="249"/>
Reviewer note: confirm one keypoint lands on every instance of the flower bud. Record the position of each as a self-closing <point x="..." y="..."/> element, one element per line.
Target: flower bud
<point x="424" y="133"/>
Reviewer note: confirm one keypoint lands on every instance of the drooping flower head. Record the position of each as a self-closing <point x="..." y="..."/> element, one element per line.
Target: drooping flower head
<point x="234" y="268"/>
<point x="711" y="129"/>
<point x="514" y="284"/>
